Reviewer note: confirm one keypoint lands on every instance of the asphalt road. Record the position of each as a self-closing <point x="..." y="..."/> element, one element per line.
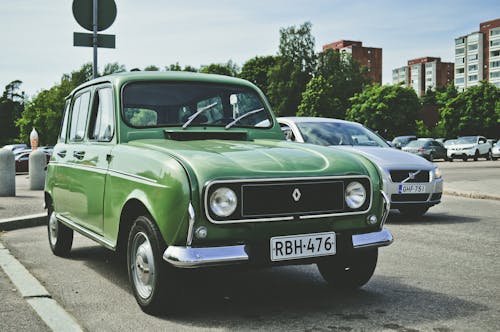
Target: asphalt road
<point x="441" y="274"/>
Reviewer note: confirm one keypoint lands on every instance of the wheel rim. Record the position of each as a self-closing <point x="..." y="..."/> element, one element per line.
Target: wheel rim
<point x="142" y="265"/>
<point x="53" y="228"/>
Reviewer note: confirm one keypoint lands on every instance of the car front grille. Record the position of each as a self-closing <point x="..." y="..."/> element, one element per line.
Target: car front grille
<point x="284" y="199"/>
<point x="401" y="175"/>
<point x="409" y="197"/>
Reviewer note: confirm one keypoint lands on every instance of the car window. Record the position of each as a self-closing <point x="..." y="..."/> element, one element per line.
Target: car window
<point x="64" y="126"/>
<point x="79" y="117"/>
<point x="102" y="119"/>
<point x="158" y="104"/>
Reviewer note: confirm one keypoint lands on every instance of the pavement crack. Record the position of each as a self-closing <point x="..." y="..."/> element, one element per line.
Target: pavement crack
<point x="43" y="296"/>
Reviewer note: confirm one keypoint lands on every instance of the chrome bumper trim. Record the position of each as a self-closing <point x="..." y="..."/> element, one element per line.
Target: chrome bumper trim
<point x="386" y="208"/>
<point x="375" y="239"/>
<point x="188" y="257"/>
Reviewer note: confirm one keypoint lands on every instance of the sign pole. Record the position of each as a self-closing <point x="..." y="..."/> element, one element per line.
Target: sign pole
<point x="94" y="37"/>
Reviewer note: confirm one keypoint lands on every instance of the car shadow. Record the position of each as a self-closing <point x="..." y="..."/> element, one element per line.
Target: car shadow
<point x="430" y="218"/>
<point x="289" y="297"/>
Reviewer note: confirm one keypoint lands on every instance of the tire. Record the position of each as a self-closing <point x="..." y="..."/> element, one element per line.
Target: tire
<point x="476" y="155"/>
<point x="349" y="271"/>
<point x="431" y="157"/>
<point x="149" y="275"/>
<point x="413" y="211"/>
<point x="489" y="156"/>
<point x="494" y="158"/>
<point x="60" y="236"/>
<point x="464" y="158"/>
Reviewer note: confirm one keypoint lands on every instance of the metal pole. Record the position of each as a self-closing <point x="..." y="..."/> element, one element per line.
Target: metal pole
<point x="94" y="37"/>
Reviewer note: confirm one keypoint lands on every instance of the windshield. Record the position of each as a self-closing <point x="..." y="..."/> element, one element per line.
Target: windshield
<point x="337" y="133"/>
<point x="466" y="140"/>
<point x="166" y="104"/>
<point x="416" y="144"/>
<point x="450" y="142"/>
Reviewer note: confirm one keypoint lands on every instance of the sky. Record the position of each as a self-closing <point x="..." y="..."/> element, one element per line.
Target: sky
<point x="36" y="36"/>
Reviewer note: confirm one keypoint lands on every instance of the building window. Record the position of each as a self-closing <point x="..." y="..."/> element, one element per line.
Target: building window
<point x="472" y="67"/>
<point x="472" y="78"/>
<point x="460" y="51"/>
<point x="495" y="42"/>
<point x="460" y="70"/>
<point x="495" y="32"/>
<point x="494" y="64"/>
<point x="472" y="57"/>
<point x="459" y="41"/>
<point x="472" y="47"/>
<point x="494" y="53"/>
<point x="459" y="80"/>
<point x="495" y="74"/>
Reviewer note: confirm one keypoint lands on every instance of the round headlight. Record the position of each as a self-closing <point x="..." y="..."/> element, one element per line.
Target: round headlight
<point x="437" y="173"/>
<point x="355" y="195"/>
<point x="223" y="202"/>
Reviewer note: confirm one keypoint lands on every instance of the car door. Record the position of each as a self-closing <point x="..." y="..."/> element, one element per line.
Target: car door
<point x="484" y="147"/>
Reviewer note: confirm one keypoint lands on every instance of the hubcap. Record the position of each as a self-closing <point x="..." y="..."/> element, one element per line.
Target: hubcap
<point x="142" y="265"/>
<point x="53" y="228"/>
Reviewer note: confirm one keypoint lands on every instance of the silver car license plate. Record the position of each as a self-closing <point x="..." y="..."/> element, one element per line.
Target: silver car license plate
<point x="412" y="188"/>
<point x="303" y="246"/>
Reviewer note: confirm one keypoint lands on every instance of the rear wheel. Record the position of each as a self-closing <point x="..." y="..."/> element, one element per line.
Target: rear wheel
<point x="413" y="211"/>
<point x="148" y="273"/>
<point x="489" y="156"/>
<point x="60" y="235"/>
<point x="431" y="157"/>
<point x="349" y="271"/>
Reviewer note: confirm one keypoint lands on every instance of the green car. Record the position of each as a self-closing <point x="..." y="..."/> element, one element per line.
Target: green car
<point x="183" y="170"/>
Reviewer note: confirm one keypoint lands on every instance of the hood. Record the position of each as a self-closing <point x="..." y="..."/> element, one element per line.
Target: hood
<point x="210" y="159"/>
<point x="461" y="146"/>
<point x="389" y="158"/>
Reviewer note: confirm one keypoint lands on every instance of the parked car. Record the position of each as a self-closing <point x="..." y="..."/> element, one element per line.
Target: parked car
<point x="185" y="170"/>
<point x="399" y="141"/>
<point x="412" y="183"/>
<point x="429" y="149"/>
<point x="495" y="151"/>
<point x="449" y="142"/>
<point x="22" y="161"/>
<point x="14" y="147"/>
<point x="470" y="147"/>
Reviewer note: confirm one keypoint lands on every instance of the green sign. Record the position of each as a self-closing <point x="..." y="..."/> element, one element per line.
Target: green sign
<point x="106" y="9"/>
<point x="85" y="39"/>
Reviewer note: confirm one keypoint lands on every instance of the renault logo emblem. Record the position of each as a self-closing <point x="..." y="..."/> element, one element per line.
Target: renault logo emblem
<point x="296" y="194"/>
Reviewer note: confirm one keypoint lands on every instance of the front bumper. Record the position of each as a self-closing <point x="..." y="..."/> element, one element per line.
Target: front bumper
<point x="189" y="257"/>
<point x="460" y="153"/>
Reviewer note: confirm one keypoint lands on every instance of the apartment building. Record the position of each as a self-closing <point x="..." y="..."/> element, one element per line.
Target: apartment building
<point x="477" y="56"/>
<point x="424" y="73"/>
<point x="369" y="57"/>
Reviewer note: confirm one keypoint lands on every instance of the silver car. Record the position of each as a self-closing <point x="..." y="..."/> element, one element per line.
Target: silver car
<point x="413" y="183"/>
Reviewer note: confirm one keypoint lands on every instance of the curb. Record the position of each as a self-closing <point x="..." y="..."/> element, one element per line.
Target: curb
<point x="32" y="220"/>
<point x="471" y="194"/>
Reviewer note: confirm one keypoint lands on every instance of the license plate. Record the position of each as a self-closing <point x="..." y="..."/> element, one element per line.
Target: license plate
<point x="303" y="246"/>
<point x="412" y="188"/>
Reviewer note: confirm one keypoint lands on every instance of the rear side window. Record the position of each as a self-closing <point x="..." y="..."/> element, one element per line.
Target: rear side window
<point x="79" y="117"/>
<point x="64" y="126"/>
<point x="102" y="119"/>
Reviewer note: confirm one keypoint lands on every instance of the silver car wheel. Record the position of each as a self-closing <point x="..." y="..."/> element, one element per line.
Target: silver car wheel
<point x="142" y="265"/>
<point x="53" y="229"/>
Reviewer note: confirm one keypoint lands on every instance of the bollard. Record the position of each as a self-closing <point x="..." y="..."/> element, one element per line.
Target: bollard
<point x="7" y="173"/>
<point x="36" y="166"/>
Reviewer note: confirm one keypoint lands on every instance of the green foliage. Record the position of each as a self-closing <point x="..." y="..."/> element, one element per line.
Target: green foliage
<point x="297" y="46"/>
<point x="318" y="100"/>
<point x="229" y="69"/>
<point x="177" y="67"/>
<point x="256" y="70"/>
<point x="391" y="110"/>
<point x="11" y="108"/>
<point x="151" y="68"/>
<point x="476" y="111"/>
<point x="112" y="68"/>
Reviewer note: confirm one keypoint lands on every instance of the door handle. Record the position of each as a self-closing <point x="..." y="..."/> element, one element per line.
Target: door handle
<point x="62" y="153"/>
<point x="79" y="154"/>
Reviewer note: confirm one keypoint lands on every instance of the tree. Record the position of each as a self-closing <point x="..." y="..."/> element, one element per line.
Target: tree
<point x="229" y="69"/>
<point x="151" y="68"/>
<point x="476" y="111"/>
<point x="391" y="110"/>
<point x="112" y="68"/>
<point x="297" y="46"/>
<point x="11" y="108"/>
<point x="317" y="100"/>
<point x="256" y="70"/>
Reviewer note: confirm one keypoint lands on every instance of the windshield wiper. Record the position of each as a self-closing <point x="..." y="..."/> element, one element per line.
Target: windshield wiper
<point x="235" y="121"/>
<point x="195" y="115"/>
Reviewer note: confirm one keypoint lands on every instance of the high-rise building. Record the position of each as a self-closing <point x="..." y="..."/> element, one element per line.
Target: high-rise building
<point x="477" y="56"/>
<point x="369" y="57"/>
<point x="424" y="73"/>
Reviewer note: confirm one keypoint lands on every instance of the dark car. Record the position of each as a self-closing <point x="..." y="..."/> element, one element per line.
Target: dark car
<point x="428" y="148"/>
<point x="22" y="161"/>
<point x="399" y="141"/>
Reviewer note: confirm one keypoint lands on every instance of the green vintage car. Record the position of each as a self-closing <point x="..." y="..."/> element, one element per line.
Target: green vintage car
<point x="183" y="170"/>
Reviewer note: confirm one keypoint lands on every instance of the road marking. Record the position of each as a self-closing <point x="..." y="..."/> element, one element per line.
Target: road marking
<point x="36" y="295"/>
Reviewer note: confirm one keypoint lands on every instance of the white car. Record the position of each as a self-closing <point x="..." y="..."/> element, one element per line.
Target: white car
<point x="495" y="151"/>
<point x="470" y="147"/>
<point x="412" y="183"/>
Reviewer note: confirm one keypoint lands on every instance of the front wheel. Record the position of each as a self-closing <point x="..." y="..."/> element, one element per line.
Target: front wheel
<point x="349" y="271"/>
<point x="60" y="235"/>
<point x="476" y="155"/>
<point x="147" y="272"/>
<point x="431" y="157"/>
<point x="489" y="156"/>
<point x="413" y="211"/>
